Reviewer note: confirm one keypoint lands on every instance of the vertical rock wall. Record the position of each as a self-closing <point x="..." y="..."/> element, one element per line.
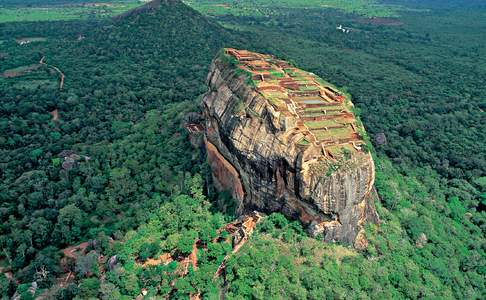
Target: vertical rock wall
<point x="253" y="153"/>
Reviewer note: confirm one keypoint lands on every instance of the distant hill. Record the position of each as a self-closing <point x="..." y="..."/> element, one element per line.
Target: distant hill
<point x="151" y="5"/>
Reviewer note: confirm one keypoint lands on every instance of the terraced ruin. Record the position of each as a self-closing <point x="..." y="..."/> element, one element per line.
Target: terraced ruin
<point x="323" y="113"/>
<point x="283" y="140"/>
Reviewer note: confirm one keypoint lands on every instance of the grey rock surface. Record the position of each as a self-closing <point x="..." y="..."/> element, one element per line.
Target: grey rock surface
<point x="276" y="173"/>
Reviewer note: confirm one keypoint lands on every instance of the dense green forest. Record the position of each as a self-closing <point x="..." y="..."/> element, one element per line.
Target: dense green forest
<point x="106" y="159"/>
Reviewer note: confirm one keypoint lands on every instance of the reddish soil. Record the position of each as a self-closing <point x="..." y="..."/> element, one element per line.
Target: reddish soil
<point x="74" y="251"/>
<point x="240" y="230"/>
<point x="196" y="296"/>
<point x="191" y="259"/>
<point x="224" y="172"/>
<point x="13" y="74"/>
<point x="193" y="256"/>
<point x="165" y="259"/>
<point x="55" y="115"/>
<point x="244" y="228"/>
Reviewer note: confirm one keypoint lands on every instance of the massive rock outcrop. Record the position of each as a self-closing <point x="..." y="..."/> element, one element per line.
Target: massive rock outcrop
<point x="283" y="140"/>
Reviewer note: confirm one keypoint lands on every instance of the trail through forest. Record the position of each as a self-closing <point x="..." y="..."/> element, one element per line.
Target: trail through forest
<point x="61" y="74"/>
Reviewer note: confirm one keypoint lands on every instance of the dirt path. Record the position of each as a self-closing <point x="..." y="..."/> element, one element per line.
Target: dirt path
<point x="241" y="231"/>
<point x="55" y="115"/>
<point x="61" y="74"/>
<point x="164" y="259"/>
<point x="73" y="251"/>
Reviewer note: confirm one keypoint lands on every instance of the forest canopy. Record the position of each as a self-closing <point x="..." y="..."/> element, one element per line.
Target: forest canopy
<point x="105" y="161"/>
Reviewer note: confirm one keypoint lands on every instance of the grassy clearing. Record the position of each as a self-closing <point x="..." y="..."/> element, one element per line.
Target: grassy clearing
<point x="20" y="71"/>
<point x="338" y="151"/>
<point x="320" y="109"/>
<point x="294" y="73"/>
<point x="309" y="88"/>
<point x="318" y="113"/>
<point x="276" y="74"/>
<point x="65" y="12"/>
<point x="369" y="8"/>
<point x="323" y="123"/>
<point x="337" y="133"/>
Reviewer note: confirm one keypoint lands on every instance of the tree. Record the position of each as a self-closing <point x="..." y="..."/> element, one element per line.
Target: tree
<point x="130" y="284"/>
<point x="70" y="223"/>
<point x="109" y="292"/>
<point x="186" y="242"/>
<point x="148" y="250"/>
<point x="41" y="229"/>
<point x="87" y="265"/>
<point x="88" y="287"/>
<point x="5" y="286"/>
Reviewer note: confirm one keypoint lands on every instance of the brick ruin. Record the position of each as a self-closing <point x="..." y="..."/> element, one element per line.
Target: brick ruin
<point x="323" y="114"/>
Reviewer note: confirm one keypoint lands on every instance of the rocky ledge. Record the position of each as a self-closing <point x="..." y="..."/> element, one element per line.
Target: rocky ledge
<point x="284" y="140"/>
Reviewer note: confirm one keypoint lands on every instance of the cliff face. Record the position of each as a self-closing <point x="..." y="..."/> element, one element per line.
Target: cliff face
<point x="282" y="140"/>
